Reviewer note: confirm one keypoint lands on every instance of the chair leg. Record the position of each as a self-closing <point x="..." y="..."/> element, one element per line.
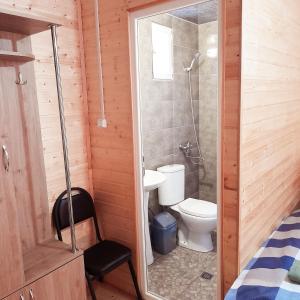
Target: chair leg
<point x="133" y="275"/>
<point x="91" y="287"/>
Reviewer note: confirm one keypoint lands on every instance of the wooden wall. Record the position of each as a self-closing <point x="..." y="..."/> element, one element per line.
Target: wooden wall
<point x="270" y="123"/>
<point x="112" y="148"/>
<point x="260" y="182"/>
<point x="70" y="50"/>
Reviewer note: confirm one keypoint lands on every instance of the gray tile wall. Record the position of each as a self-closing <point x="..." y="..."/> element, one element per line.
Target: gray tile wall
<point x="208" y="94"/>
<point x="165" y="105"/>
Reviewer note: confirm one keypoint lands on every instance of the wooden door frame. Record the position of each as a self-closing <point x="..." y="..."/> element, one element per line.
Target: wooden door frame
<point x="133" y="17"/>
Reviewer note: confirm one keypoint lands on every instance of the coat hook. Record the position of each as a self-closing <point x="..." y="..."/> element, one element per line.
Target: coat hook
<point x="20" y="80"/>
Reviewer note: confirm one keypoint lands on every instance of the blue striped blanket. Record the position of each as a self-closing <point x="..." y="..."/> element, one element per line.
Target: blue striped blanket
<point x="265" y="276"/>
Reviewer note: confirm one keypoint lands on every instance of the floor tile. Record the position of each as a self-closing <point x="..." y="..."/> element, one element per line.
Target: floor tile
<point x="177" y="275"/>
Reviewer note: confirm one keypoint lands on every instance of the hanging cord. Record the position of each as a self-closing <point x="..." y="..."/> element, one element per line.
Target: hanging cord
<point x="102" y="122"/>
<point x="63" y="135"/>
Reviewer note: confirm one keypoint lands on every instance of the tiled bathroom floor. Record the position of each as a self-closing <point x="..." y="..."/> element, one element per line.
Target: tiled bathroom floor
<point x="177" y="275"/>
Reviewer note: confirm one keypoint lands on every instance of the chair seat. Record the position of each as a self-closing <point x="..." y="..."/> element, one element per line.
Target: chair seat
<point x="104" y="257"/>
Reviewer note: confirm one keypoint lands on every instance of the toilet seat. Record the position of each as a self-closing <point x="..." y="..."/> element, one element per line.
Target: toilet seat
<point x="198" y="208"/>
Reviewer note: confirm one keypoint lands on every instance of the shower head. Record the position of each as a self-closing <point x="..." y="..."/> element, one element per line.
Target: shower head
<point x="196" y="57"/>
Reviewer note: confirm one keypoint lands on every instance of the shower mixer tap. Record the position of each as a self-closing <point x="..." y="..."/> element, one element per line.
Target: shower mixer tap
<point x="186" y="148"/>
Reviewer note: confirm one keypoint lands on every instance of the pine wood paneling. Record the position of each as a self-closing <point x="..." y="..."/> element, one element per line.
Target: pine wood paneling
<point x="270" y="124"/>
<point x="112" y="148"/>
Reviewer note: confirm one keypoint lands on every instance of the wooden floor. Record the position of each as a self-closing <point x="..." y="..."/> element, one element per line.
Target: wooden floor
<point x="105" y="291"/>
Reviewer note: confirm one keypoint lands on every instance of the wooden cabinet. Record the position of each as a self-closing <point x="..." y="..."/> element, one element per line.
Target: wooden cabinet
<point x="25" y="219"/>
<point x="20" y="129"/>
<point x="67" y="282"/>
<point x="11" y="274"/>
<point x="19" y="295"/>
<point x="33" y="265"/>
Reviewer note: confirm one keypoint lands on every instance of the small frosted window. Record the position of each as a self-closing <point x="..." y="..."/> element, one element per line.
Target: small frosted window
<point x="162" y="46"/>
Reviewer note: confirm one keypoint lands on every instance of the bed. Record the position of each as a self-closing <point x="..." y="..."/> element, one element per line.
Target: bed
<point x="265" y="276"/>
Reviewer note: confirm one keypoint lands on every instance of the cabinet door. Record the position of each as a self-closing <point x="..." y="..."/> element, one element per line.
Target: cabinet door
<point x="19" y="295"/>
<point x="22" y="131"/>
<point x="67" y="283"/>
<point x="11" y="259"/>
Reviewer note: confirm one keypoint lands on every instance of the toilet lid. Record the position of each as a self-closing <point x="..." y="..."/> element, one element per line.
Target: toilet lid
<point x="198" y="208"/>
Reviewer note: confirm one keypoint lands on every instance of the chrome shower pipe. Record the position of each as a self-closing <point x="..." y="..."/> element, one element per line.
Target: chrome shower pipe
<point x="63" y="135"/>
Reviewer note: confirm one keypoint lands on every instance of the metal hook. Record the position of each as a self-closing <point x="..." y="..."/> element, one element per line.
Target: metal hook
<point x="5" y="158"/>
<point x="20" y="80"/>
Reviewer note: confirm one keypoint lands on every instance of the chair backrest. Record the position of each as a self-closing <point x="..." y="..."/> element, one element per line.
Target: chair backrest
<point x="83" y="209"/>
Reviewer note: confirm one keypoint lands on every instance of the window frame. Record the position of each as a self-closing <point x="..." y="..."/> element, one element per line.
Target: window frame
<point x="163" y="76"/>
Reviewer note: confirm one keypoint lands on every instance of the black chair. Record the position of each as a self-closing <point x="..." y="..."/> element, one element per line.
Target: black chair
<point x="104" y="256"/>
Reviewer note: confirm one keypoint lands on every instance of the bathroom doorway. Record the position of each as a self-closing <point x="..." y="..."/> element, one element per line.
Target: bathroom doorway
<point x="175" y="84"/>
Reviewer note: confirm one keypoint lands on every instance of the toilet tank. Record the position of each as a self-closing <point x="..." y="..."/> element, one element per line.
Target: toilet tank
<point x="171" y="191"/>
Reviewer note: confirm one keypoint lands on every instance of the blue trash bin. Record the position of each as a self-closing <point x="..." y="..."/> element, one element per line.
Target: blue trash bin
<point x="163" y="233"/>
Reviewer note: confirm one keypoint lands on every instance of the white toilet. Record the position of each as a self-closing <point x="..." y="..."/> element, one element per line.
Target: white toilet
<point x="198" y="217"/>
